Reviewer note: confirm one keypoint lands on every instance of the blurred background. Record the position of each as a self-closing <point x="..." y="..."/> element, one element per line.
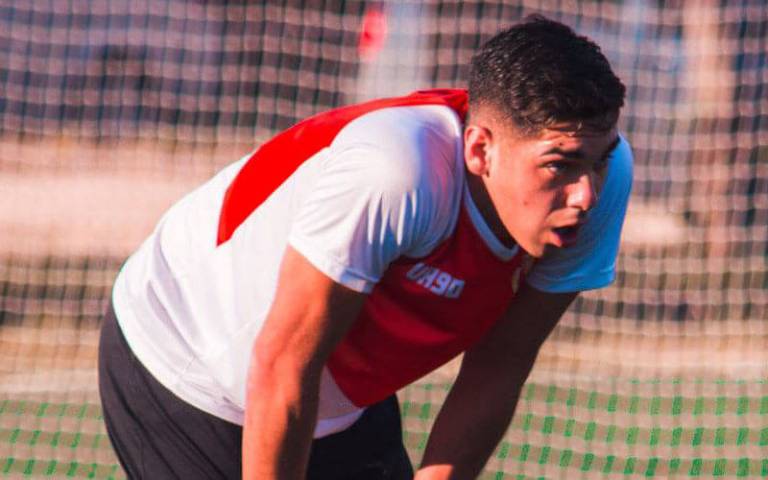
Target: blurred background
<point x="110" y="110"/>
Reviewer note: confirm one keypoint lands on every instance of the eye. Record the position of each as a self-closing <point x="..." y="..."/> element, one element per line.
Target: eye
<point x="558" y="167"/>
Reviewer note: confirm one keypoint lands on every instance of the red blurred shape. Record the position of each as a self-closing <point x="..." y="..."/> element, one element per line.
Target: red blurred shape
<point x="373" y="33"/>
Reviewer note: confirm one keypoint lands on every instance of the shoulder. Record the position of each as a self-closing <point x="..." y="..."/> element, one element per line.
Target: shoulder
<point x="412" y="147"/>
<point x="411" y="124"/>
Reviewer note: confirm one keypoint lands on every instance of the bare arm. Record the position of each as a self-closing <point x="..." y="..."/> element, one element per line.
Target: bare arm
<point x="482" y="401"/>
<point x="309" y="316"/>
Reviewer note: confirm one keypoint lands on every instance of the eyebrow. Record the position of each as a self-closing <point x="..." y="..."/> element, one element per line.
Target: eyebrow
<point x="579" y="154"/>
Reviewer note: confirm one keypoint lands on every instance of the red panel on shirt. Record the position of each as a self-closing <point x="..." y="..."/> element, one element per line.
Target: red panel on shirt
<point x="423" y="313"/>
<point x="278" y="158"/>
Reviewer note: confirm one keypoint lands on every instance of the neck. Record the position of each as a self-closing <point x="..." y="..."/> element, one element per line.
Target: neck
<point x="482" y="199"/>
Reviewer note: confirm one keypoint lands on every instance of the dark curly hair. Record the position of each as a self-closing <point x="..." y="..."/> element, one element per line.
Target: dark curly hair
<point x="540" y="72"/>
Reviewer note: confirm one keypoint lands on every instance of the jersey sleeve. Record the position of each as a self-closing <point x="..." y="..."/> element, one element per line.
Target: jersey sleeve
<point x="367" y="208"/>
<point x="591" y="262"/>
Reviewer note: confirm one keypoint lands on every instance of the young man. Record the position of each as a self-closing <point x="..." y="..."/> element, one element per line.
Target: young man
<point x="300" y="288"/>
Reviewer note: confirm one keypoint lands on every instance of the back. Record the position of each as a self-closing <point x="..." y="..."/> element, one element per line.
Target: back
<point x="190" y="308"/>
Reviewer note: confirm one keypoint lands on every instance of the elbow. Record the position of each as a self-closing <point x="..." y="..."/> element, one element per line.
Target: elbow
<point x="263" y="371"/>
<point x="268" y="368"/>
<point x="280" y="372"/>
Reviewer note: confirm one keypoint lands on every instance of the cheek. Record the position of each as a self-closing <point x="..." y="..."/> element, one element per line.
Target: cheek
<point x="519" y="192"/>
<point x="530" y="190"/>
<point x="539" y="204"/>
<point x="530" y="205"/>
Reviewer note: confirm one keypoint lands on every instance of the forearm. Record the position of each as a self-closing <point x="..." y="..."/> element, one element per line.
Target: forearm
<point x="467" y="430"/>
<point x="279" y="421"/>
<point x="483" y="399"/>
<point x="309" y="316"/>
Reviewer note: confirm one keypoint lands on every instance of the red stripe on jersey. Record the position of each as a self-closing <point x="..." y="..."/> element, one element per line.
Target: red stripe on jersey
<point x="424" y="312"/>
<point x="278" y="158"/>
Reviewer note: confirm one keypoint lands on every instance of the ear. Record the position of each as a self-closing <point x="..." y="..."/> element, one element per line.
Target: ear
<point x="477" y="149"/>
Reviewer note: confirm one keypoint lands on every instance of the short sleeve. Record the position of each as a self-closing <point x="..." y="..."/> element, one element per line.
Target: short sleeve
<point x="591" y="262"/>
<point x="367" y="208"/>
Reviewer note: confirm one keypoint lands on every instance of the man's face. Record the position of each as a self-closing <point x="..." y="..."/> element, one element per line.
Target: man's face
<point x="537" y="188"/>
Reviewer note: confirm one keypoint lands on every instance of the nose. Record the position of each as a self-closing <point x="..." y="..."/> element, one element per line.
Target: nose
<point x="583" y="193"/>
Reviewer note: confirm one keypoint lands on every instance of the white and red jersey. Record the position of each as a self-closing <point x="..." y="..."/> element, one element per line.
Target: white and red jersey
<point x="374" y="196"/>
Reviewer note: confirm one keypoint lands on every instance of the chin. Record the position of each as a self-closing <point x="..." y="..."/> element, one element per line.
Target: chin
<point x="536" y="251"/>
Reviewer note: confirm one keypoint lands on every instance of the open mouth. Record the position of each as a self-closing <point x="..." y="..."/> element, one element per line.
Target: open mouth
<point x="567" y="234"/>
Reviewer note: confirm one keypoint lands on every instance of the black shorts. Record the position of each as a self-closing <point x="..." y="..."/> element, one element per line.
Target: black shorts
<point x="156" y="435"/>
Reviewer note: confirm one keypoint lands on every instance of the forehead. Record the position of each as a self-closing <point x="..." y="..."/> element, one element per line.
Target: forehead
<point x="577" y="129"/>
<point x="577" y="135"/>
